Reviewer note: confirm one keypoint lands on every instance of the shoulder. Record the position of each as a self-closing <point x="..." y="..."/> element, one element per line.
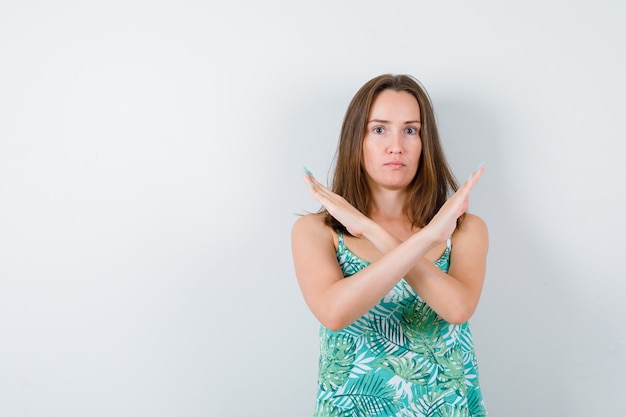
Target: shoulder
<point x="312" y="227"/>
<point x="473" y="222"/>
<point x="473" y="230"/>
<point x="308" y="223"/>
<point x="314" y="251"/>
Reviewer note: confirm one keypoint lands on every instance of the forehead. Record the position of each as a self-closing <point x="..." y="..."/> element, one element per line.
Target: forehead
<point x="392" y="105"/>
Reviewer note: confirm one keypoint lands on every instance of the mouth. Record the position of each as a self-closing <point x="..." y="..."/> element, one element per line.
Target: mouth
<point x="394" y="164"/>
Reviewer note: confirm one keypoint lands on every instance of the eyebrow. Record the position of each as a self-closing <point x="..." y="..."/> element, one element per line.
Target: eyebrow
<point x="387" y="121"/>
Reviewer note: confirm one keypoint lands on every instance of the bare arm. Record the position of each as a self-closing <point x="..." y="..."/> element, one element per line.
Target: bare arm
<point x="336" y="301"/>
<point x="454" y="296"/>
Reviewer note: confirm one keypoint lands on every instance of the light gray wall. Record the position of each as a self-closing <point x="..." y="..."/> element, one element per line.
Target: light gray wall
<point x="150" y="157"/>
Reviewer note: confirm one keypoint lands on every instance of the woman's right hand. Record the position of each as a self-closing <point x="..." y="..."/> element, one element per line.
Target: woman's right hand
<point x="353" y="220"/>
<point x="443" y="224"/>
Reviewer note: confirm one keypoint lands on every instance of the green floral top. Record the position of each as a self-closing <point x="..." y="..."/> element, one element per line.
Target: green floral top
<point x="399" y="359"/>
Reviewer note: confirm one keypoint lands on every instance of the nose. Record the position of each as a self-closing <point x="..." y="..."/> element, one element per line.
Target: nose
<point x="395" y="144"/>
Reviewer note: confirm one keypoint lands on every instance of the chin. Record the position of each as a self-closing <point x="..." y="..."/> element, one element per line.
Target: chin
<point x="395" y="186"/>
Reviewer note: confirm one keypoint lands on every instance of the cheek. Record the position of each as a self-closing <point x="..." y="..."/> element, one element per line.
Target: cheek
<point x="417" y="150"/>
<point x="370" y="158"/>
<point x="369" y="151"/>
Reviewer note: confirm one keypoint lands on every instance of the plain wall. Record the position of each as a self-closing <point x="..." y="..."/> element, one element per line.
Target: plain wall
<point x="150" y="157"/>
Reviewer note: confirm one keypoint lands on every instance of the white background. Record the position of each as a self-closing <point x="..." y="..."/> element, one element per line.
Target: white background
<point x="150" y="156"/>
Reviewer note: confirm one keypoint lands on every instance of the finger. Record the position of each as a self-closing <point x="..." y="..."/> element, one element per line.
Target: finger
<point x="307" y="180"/>
<point x="474" y="177"/>
<point x="316" y="189"/>
<point x="314" y="184"/>
<point x="308" y="175"/>
<point x="478" y="173"/>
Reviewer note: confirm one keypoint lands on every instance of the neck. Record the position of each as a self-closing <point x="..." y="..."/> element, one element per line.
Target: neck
<point x="388" y="206"/>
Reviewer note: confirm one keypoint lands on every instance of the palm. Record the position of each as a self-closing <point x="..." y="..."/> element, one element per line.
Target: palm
<point x="441" y="226"/>
<point x="352" y="219"/>
<point x="444" y="222"/>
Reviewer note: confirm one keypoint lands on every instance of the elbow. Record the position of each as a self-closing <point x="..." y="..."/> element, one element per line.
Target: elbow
<point x="334" y="320"/>
<point x="459" y="315"/>
<point x="333" y="326"/>
<point x="458" y="319"/>
<point x="334" y="323"/>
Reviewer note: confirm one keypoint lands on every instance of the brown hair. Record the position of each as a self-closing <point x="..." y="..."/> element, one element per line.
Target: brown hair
<point x="433" y="181"/>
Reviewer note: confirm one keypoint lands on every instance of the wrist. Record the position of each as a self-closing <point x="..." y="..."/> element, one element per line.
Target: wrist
<point x="428" y="236"/>
<point x="371" y="230"/>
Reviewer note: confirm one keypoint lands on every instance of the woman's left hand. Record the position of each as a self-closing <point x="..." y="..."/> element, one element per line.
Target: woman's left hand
<point x="444" y="223"/>
<point x="353" y="220"/>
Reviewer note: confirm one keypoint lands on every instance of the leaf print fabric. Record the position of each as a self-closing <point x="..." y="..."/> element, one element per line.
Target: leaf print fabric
<point x="399" y="359"/>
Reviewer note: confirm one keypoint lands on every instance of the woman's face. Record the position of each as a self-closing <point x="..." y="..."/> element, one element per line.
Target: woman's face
<point x="392" y="143"/>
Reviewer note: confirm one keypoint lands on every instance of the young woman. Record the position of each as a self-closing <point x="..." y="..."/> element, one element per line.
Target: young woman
<point x="391" y="267"/>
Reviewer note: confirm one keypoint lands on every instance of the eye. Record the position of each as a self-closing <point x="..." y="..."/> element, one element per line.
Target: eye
<point x="379" y="130"/>
<point x="410" y="130"/>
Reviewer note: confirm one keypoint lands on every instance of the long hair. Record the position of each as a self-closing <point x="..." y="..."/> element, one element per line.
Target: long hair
<point x="432" y="183"/>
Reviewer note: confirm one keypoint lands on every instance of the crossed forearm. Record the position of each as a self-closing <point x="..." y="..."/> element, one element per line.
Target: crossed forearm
<point x="446" y="295"/>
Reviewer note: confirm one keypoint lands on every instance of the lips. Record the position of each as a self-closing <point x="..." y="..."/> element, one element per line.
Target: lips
<point x="394" y="164"/>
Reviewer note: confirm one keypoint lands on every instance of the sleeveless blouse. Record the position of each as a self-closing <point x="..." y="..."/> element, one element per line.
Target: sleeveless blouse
<point x="399" y="359"/>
